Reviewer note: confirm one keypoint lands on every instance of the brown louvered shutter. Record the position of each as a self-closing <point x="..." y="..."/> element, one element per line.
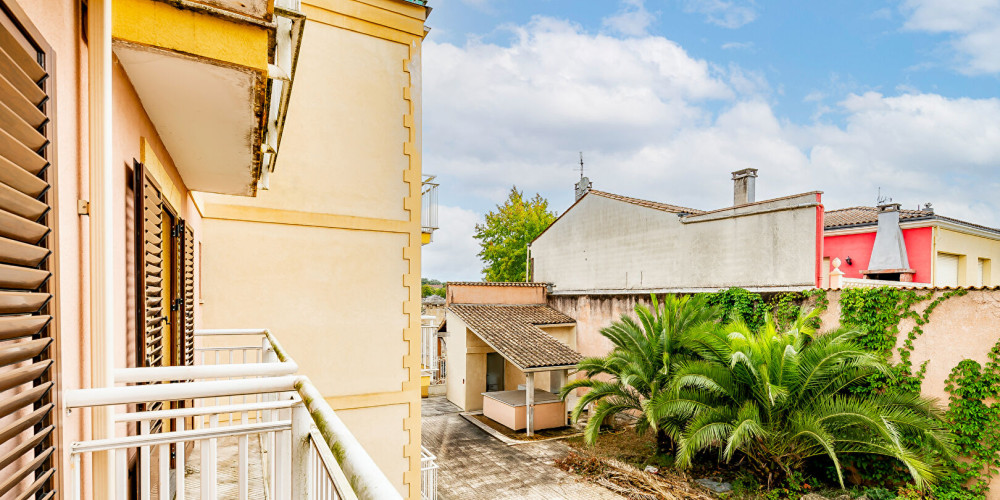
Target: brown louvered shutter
<point x="26" y="463"/>
<point x="152" y="308"/>
<point x="187" y="293"/>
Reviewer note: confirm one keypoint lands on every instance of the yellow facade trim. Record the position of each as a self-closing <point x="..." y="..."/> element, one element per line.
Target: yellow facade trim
<point x="358" y="401"/>
<point x="298" y="218"/>
<point x="159" y="24"/>
<point x="411" y="307"/>
<point x="375" y="15"/>
<point x="343" y="21"/>
<point x="170" y="191"/>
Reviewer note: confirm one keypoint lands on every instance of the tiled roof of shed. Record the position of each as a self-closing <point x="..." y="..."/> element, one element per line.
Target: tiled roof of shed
<point x="646" y="203"/>
<point x="862" y="216"/>
<point x="511" y="330"/>
<point x="495" y="283"/>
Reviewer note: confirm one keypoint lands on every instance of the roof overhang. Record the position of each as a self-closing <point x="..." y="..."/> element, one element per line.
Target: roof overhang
<point x="214" y="83"/>
<point x="915" y="223"/>
<point x="511" y="360"/>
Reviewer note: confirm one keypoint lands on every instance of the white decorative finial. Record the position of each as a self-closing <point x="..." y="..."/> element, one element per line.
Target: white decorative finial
<point x="836" y="263"/>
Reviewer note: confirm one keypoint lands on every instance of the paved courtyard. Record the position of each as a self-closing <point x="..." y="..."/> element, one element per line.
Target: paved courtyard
<point x="474" y="465"/>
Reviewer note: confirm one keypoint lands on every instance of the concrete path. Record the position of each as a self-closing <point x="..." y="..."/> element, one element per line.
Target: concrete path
<point x="475" y="466"/>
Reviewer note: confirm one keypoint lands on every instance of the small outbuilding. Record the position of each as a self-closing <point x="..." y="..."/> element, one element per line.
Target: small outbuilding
<point x="509" y="353"/>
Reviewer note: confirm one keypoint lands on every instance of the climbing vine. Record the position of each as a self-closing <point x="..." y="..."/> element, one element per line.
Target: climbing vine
<point x="974" y="420"/>
<point x="751" y="308"/>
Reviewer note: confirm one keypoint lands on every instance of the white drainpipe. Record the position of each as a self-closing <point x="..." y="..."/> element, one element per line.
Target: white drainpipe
<point x="103" y="323"/>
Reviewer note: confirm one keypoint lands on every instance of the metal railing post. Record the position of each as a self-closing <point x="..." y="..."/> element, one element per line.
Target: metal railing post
<point x="301" y="472"/>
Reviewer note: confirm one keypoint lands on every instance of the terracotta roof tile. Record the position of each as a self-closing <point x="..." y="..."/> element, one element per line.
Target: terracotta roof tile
<point x="854" y="216"/>
<point x="861" y="216"/>
<point x="495" y="283"/>
<point x="646" y="203"/>
<point x="512" y="331"/>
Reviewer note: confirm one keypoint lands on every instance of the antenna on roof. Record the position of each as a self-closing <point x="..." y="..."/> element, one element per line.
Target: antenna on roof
<point x="882" y="200"/>
<point x="583" y="186"/>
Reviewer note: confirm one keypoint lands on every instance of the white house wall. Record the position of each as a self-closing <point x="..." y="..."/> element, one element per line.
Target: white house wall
<point x="605" y="244"/>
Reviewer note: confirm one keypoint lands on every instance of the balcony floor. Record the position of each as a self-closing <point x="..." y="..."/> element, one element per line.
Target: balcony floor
<point x="228" y="470"/>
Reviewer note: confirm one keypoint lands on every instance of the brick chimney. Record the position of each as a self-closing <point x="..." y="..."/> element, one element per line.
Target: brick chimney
<point x="744" y="182"/>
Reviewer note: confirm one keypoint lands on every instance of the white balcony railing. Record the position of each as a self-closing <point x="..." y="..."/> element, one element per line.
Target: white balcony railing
<point x="428" y="475"/>
<point x="429" y="348"/>
<point x="429" y="204"/>
<point x="238" y="424"/>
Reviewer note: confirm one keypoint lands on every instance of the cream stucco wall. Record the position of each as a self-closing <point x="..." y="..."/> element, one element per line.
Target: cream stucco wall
<point x="969" y="248"/>
<point x="329" y="257"/>
<point x="606" y="244"/>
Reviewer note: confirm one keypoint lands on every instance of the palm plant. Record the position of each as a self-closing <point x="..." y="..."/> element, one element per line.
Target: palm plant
<point x="641" y="364"/>
<point x="780" y="398"/>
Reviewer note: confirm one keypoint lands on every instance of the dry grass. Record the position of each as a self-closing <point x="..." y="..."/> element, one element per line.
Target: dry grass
<point x="624" y="445"/>
<point x="617" y="461"/>
<point x="631" y="482"/>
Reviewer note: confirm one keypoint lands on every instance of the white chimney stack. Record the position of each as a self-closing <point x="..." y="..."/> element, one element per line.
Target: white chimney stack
<point x="744" y="184"/>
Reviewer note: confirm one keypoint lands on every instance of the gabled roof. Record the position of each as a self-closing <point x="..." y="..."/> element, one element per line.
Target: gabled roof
<point x="512" y="330"/>
<point x="868" y="216"/>
<point x="646" y="203"/>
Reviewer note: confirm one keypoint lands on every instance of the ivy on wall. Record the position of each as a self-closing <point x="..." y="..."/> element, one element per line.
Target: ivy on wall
<point x="973" y="414"/>
<point x="752" y="309"/>
<point x="974" y="419"/>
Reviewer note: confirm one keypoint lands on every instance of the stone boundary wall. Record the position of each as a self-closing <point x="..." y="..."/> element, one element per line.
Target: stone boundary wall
<point x="964" y="327"/>
<point x="961" y="327"/>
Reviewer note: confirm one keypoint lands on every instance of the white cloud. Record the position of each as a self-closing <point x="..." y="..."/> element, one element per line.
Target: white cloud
<point x="738" y="46"/>
<point x="656" y="123"/>
<point x="726" y="13"/>
<point x="631" y="20"/>
<point x="973" y="24"/>
<point x="458" y="260"/>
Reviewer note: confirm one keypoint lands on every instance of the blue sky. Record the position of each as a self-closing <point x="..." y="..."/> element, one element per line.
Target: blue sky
<point x="665" y="97"/>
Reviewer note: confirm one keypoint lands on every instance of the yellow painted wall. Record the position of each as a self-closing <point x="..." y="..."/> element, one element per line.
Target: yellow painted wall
<point x="970" y="248"/>
<point x="329" y="257"/>
<point x="160" y="24"/>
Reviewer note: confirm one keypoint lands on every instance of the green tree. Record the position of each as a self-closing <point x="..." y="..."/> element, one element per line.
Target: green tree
<point x="780" y="398"/>
<point x="504" y="237"/>
<point x="640" y="367"/>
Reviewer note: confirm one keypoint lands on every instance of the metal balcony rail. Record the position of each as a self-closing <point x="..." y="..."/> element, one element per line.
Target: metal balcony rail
<point x="428" y="475"/>
<point x="257" y="402"/>
<point x="429" y="204"/>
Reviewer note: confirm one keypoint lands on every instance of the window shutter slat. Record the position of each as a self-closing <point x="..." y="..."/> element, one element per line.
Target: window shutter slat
<point x="25" y="341"/>
<point x="14" y="327"/>
<point x="27" y="86"/>
<point x="20" y="104"/>
<point x="187" y="289"/>
<point x="20" y="129"/>
<point x="11" y="482"/>
<point x="21" y="204"/>
<point x="149" y="210"/>
<point x="19" y="54"/>
<point x="21" y="229"/>
<point x="20" y="179"/>
<point x="22" y="254"/>
<point x="21" y="155"/>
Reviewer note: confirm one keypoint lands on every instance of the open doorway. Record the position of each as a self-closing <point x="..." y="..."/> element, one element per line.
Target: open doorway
<point x="494" y="372"/>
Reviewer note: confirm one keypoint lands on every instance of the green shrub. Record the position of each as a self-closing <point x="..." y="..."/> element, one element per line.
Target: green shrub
<point x="778" y="398"/>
